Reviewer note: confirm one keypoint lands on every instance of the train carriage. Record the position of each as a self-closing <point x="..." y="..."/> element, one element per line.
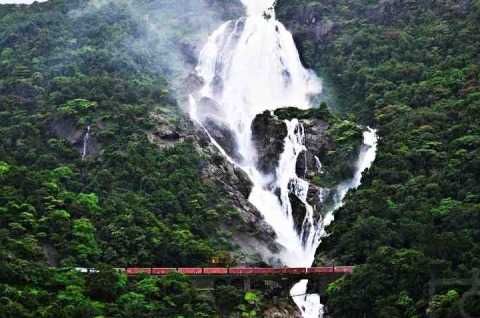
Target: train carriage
<point x="191" y="270"/>
<point x="262" y="271"/>
<point x="240" y="271"/>
<point x="163" y="271"/>
<point x="138" y="270"/>
<point x="215" y="271"/>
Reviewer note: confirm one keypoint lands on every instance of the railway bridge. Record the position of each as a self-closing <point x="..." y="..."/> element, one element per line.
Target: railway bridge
<point x="251" y="277"/>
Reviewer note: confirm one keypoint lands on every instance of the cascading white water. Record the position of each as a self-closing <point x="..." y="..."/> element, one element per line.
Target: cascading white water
<point x="85" y="143"/>
<point x="248" y="66"/>
<point x="310" y="304"/>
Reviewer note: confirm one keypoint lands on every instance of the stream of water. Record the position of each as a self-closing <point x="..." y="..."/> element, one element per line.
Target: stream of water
<point x="86" y="137"/>
<point x="250" y="65"/>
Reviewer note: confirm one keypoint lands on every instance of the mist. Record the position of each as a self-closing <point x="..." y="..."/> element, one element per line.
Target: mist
<point x="170" y="32"/>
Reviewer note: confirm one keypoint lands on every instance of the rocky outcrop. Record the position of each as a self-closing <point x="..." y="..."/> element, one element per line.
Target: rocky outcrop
<point x="317" y="142"/>
<point x="283" y="310"/>
<point x="299" y="211"/>
<point x="268" y="137"/>
<point x="193" y="82"/>
<point x="255" y="239"/>
<point x="251" y="233"/>
<point x="269" y="131"/>
<point x="69" y="130"/>
<point x="309" y="23"/>
<point x="167" y="131"/>
<point x="224" y="136"/>
<point x="332" y="148"/>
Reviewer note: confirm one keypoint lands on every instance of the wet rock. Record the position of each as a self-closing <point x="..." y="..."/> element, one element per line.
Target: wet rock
<point x="308" y="23"/>
<point x="51" y="254"/>
<point x="189" y="53"/>
<point x="193" y="82"/>
<point x="269" y="132"/>
<point x="298" y="212"/>
<point x="285" y="310"/>
<point x="68" y="129"/>
<point x="318" y="143"/>
<point x="321" y="200"/>
<point x="169" y="135"/>
<point x="268" y="135"/>
<point x="243" y="182"/>
<point x="207" y="107"/>
<point x="254" y="236"/>
<point x="224" y="136"/>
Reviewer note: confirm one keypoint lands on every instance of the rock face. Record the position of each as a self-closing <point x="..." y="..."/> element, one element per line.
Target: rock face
<point x="284" y="310"/>
<point x="299" y="211"/>
<point x="332" y="147"/>
<point x="317" y="143"/>
<point x="310" y="22"/>
<point x="224" y="136"/>
<point x="255" y="239"/>
<point x="251" y="233"/>
<point x="67" y="129"/>
<point x="268" y="137"/>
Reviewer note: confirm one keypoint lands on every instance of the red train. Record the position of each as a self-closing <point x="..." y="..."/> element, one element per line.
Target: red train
<point x="240" y="271"/>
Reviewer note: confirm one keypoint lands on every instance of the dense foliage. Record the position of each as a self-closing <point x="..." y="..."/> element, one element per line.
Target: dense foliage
<point x="410" y="69"/>
<point x="63" y="68"/>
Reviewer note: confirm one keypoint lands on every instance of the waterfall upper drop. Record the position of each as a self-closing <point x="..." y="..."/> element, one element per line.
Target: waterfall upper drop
<point x="250" y="65"/>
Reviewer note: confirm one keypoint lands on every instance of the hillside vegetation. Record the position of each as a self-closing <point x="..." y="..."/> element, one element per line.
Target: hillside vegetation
<point x="411" y="69"/>
<point x="64" y="67"/>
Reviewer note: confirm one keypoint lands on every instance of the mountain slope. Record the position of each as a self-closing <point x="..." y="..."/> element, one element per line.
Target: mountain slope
<point x="410" y="69"/>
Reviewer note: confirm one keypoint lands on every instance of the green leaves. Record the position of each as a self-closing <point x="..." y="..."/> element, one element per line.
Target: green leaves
<point x="89" y="201"/>
<point x="4" y="168"/>
<point x="77" y="107"/>
<point x="445" y="207"/>
<point x="84" y="244"/>
<point x="251" y="298"/>
<point x="444" y="305"/>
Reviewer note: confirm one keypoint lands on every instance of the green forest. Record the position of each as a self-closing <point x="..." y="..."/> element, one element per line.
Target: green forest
<point x="128" y="205"/>
<point x="410" y="69"/>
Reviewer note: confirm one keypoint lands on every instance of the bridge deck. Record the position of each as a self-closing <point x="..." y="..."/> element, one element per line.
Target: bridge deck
<point x="242" y="271"/>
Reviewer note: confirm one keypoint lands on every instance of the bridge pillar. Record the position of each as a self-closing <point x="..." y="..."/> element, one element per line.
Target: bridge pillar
<point x="247" y="284"/>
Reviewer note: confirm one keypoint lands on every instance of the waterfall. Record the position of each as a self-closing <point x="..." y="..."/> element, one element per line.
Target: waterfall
<point x="310" y="304"/>
<point x="85" y="143"/>
<point x="251" y="65"/>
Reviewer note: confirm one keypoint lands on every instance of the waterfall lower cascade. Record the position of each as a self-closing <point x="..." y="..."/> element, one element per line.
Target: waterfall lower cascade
<point x="248" y="66"/>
